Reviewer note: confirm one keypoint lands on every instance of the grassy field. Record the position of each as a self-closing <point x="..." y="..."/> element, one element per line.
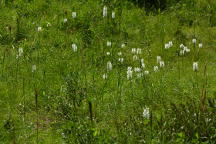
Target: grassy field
<point x="107" y="72"/>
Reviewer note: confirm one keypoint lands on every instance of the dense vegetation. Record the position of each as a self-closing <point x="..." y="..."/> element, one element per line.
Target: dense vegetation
<point x="97" y="71"/>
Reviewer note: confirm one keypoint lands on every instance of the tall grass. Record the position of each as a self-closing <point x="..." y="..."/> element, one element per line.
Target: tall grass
<point x="53" y="92"/>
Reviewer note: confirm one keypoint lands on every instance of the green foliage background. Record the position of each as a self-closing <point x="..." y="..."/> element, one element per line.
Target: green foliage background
<point x="66" y="100"/>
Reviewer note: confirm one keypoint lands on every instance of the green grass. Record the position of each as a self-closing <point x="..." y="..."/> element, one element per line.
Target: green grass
<point x="66" y="100"/>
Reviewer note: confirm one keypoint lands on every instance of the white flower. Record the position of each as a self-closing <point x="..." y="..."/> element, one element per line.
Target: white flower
<point x="187" y="50"/>
<point x="139" y="51"/>
<point x="146" y="72"/>
<point x="105" y="76"/>
<point x="109" y="43"/>
<point x="195" y="66"/>
<point x="135" y="57"/>
<point x="167" y="46"/>
<point x="104" y="11"/>
<point x="194" y="41"/>
<point x="74" y="47"/>
<point x="108" y="53"/>
<point x="63" y="135"/>
<point x="121" y="60"/>
<point x="200" y="45"/>
<point x="109" y="66"/>
<point x="133" y="50"/>
<point x="48" y="24"/>
<point x="158" y="59"/>
<point x="146" y="113"/>
<point x="137" y="69"/>
<point x="113" y="14"/>
<point x="119" y="53"/>
<point x="74" y="14"/>
<point x="143" y="65"/>
<point x="139" y="75"/>
<point x="182" y="46"/>
<point x="155" y="68"/>
<point x="182" y="52"/>
<point x="170" y="43"/>
<point x="65" y="20"/>
<point x="39" y="29"/>
<point x="162" y="64"/>
<point x="20" y="52"/>
<point x="34" y="68"/>
<point x="129" y="72"/>
<point x="142" y="60"/>
<point x="123" y="45"/>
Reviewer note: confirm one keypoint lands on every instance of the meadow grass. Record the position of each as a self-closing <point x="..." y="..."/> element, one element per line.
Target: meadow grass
<point x="82" y="79"/>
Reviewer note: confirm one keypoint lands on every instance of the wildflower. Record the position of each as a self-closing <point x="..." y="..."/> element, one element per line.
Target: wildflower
<point x="113" y="14"/>
<point x="182" y="46"/>
<point x="137" y="69"/>
<point x="167" y="46"/>
<point x="135" y="57"/>
<point x="143" y="65"/>
<point x="74" y="47"/>
<point x="195" y="66"/>
<point x="108" y="53"/>
<point x="139" y="75"/>
<point x="133" y="50"/>
<point x="139" y="51"/>
<point x="121" y="60"/>
<point x="74" y="14"/>
<point x="162" y="64"/>
<point x="142" y="60"/>
<point x="34" y="68"/>
<point x="48" y="24"/>
<point x="146" y="72"/>
<point x="182" y="52"/>
<point x="146" y="113"/>
<point x="63" y="135"/>
<point x="39" y="29"/>
<point x="109" y="66"/>
<point x="105" y="76"/>
<point x="20" y="52"/>
<point x="109" y="43"/>
<point x="65" y="20"/>
<point x="119" y="53"/>
<point x="158" y="59"/>
<point x="129" y="72"/>
<point x="155" y="68"/>
<point x="194" y="41"/>
<point x="123" y="45"/>
<point x="200" y="45"/>
<point x="104" y="11"/>
<point x="187" y="50"/>
<point x="170" y="43"/>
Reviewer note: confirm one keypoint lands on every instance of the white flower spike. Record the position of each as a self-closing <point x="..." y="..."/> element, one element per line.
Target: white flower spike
<point x="195" y="66"/>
